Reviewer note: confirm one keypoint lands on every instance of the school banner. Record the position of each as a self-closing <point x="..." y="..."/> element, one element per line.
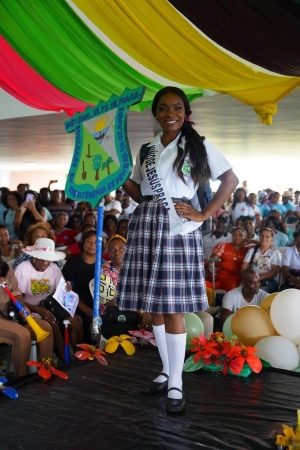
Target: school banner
<point x="102" y="159"/>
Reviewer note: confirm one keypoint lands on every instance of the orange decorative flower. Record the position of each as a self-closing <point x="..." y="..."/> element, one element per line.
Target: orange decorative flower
<point x="90" y="352"/>
<point x="203" y="348"/>
<point x="124" y="340"/>
<point x="46" y="369"/>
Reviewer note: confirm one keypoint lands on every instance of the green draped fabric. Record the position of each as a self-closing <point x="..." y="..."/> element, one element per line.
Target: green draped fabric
<point x="54" y="41"/>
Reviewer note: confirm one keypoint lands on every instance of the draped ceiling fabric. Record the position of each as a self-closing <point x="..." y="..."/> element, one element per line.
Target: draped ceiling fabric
<point x="22" y="82"/>
<point x="47" y="42"/>
<point x="268" y="31"/>
<point x="51" y="38"/>
<point x="157" y="36"/>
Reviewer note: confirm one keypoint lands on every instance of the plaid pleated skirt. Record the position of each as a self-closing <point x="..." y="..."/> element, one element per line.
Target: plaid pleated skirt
<point x="161" y="273"/>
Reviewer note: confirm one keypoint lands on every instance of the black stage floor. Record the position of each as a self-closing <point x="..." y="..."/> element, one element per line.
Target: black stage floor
<point x="102" y="407"/>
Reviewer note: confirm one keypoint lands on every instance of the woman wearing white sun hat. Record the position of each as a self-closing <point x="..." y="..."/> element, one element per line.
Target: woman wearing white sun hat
<point x="38" y="279"/>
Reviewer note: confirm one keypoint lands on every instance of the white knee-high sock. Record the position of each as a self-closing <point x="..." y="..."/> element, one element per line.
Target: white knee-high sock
<point x="176" y="344"/>
<point x="160" y="337"/>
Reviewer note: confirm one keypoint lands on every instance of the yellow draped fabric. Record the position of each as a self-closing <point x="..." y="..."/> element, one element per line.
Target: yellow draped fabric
<point x="157" y="36"/>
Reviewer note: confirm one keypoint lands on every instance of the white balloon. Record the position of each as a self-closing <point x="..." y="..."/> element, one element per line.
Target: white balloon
<point x="285" y="314"/>
<point x="278" y="351"/>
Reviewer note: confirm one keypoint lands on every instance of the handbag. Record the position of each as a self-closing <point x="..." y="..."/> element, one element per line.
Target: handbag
<point x="13" y="314"/>
<point x="116" y="322"/>
<point x="57" y="310"/>
<point x="288" y="284"/>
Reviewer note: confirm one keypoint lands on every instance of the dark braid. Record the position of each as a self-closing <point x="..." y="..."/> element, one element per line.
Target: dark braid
<point x="194" y="146"/>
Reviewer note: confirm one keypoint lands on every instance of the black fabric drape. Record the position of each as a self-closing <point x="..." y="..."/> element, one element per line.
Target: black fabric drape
<point x="266" y="33"/>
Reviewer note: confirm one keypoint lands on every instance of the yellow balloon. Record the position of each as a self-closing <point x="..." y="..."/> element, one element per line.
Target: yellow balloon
<point x="267" y="301"/>
<point x="251" y="324"/>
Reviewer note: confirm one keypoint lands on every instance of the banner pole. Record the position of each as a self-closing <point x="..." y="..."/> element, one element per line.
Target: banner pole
<point x="97" y="321"/>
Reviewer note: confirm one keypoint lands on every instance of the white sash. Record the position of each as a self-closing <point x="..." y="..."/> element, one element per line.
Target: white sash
<point x="160" y="192"/>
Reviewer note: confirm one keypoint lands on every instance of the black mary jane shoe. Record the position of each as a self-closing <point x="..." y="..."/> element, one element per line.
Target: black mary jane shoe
<point x="175" y="405"/>
<point x="155" y="387"/>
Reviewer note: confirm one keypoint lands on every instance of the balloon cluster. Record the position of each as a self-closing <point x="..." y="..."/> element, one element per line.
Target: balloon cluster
<point x="273" y="329"/>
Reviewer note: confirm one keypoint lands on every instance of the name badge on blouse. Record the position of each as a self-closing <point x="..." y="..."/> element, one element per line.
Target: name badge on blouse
<point x="186" y="168"/>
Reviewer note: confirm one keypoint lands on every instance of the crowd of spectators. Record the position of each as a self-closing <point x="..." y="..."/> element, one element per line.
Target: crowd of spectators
<point x="252" y="250"/>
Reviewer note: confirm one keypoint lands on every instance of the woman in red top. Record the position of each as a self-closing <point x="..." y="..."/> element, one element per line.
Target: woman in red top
<point x="231" y="254"/>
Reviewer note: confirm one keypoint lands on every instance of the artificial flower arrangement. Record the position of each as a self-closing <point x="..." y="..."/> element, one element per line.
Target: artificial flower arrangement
<point x="46" y="370"/>
<point x="141" y="337"/>
<point x="291" y="438"/>
<point x="221" y="354"/>
<point x="90" y="352"/>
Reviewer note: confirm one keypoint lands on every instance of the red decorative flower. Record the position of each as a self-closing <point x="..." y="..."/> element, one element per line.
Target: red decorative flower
<point x="203" y="348"/>
<point x="90" y="352"/>
<point x="46" y="369"/>
<point x="240" y="354"/>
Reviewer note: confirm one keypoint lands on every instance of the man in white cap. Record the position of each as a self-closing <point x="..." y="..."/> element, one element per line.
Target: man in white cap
<point x="286" y="201"/>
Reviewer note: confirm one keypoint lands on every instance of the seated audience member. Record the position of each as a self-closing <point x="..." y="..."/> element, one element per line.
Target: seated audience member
<point x="34" y="232"/>
<point x="116" y="250"/>
<point x="83" y="208"/>
<point x="273" y="203"/>
<point x="240" y="222"/>
<point x="122" y="228"/>
<point x="64" y="236"/>
<point x="3" y="191"/>
<point x="75" y="222"/>
<point x="57" y="205"/>
<point x="120" y="195"/>
<point x="80" y="270"/>
<point x="219" y="235"/>
<point x="265" y="260"/>
<point x="110" y="224"/>
<point x="38" y="279"/>
<point x="74" y="249"/>
<point x="247" y="294"/>
<point x="286" y="201"/>
<point x="29" y="213"/>
<point x="249" y="225"/>
<point x="296" y="200"/>
<point x="10" y="248"/>
<point x="22" y="188"/>
<point x="280" y="237"/>
<point x="253" y="204"/>
<point x="283" y="220"/>
<point x="45" y="196"/>
<point x="11" y="201"/>
<point x="14" y="334"/>
<point x="291" y="265"/>
<point x="240" y="206"/>
<point x="128" y="206"/>
<point x="111" y="206"/>
<point x="89" y="219"/>
<point x="231" y="254"/>
<point x="262" y="198"/>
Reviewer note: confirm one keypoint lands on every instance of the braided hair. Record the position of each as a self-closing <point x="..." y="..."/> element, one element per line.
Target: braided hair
<point x="194" y="145"/>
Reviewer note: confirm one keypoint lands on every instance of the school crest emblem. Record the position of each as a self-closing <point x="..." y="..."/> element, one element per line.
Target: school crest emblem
<point x="102" y="159"/>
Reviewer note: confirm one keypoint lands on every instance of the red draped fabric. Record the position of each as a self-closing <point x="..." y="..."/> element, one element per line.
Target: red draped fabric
<point x="18" y="79"/>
